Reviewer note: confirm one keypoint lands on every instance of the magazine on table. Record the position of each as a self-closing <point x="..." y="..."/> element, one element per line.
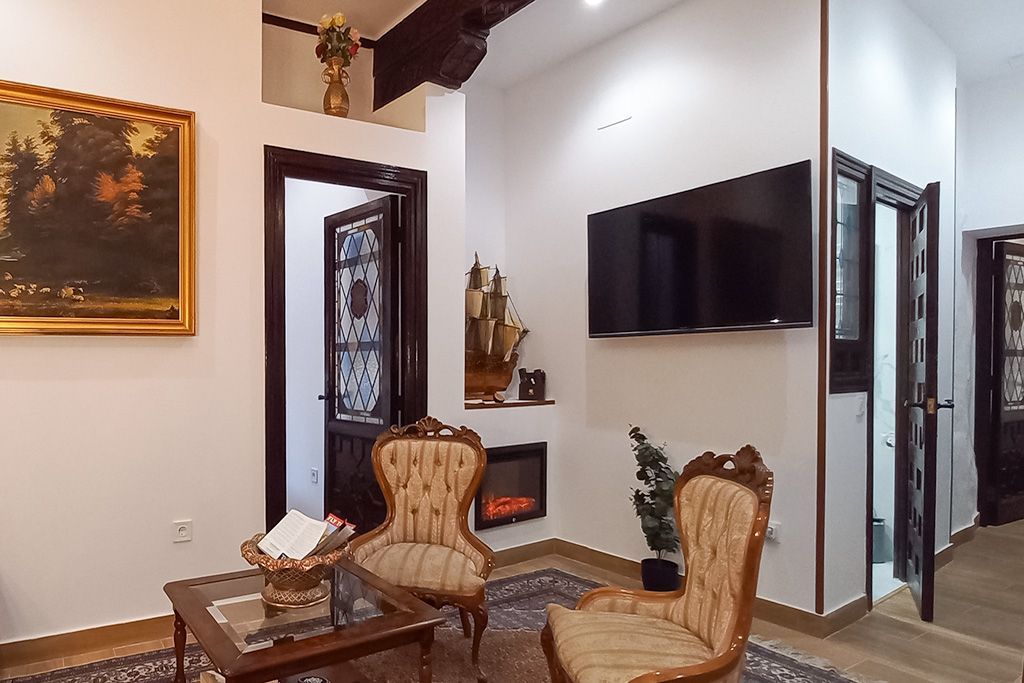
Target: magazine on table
<point x="298" y="536"/>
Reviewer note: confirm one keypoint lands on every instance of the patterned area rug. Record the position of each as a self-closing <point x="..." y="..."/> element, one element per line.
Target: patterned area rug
<point x="511" y="651"/>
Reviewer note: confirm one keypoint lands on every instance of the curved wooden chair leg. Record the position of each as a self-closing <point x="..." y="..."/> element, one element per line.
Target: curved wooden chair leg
<point x="479" y="624"/>
<point x="547" y="643"/>
<point x="464" y="616"/>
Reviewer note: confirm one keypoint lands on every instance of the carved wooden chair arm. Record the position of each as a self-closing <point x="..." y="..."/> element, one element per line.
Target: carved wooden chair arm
<point x="712" y="670"/>
<point x="626" y="601"/>
<point x="487" y="565"/>
<point x="359" y="541"/>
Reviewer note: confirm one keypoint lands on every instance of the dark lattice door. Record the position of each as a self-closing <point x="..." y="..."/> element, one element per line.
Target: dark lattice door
<point x="361" y="307"/>
<point x="1004" y="490"/>
<point x="919" y="275"/>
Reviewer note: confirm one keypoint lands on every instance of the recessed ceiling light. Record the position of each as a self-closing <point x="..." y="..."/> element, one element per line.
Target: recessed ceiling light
<point x="593" y="3"/>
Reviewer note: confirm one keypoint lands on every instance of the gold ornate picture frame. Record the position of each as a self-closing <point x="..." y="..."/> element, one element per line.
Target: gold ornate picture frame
<point x="97" y="215"/>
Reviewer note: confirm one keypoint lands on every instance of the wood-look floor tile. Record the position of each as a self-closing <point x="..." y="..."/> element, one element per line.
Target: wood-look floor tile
<point x="139" y="648"/>
<point x="34" y="668"/>
<point x="839" y="656"/>
<point x="89" y="657"/>
<point x="990" y="662"/>
<point x="884" y="673"/>
<point x="937" y="654"/>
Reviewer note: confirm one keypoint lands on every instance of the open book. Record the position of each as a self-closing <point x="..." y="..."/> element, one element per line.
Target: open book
<point x="298" y="536"/>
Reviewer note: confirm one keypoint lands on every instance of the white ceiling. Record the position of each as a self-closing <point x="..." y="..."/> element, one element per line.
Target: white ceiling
<point x="372" y="17"/>
<point x="549" y="31"/>
<point x="985" y="35"/>
<point x="543" y="34"/>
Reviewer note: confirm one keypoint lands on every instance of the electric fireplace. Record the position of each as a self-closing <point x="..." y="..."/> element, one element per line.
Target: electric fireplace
<point x="515" y="485"/>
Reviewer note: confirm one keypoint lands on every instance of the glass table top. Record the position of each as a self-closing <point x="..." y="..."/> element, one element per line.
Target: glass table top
<point x="236" y="605"/>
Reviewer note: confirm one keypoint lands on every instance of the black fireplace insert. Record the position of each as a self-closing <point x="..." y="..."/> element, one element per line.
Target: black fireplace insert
<point x="515" y="485"/>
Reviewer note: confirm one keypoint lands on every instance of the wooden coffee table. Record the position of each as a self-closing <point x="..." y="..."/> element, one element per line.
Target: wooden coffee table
<point x="251" y="642"/>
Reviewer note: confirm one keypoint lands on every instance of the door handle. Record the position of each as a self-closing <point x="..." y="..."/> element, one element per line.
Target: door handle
<point x="321" y="397"/>
<point x="930" y="405"/>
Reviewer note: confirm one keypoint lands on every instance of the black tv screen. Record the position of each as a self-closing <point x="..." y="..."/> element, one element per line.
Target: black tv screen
<point x="732" y="255"/>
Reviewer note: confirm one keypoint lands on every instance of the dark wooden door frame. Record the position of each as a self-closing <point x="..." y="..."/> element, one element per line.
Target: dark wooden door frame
<point x="882" y="188"/>
<point x="984" y="372"/>
<point x="281" y="163"/>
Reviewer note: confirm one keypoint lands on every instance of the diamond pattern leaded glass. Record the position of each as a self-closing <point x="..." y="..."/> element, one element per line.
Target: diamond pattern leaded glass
<point x="357" y="282"/>
<point x="1013" y="336"/>
<point x="847" y="266"/>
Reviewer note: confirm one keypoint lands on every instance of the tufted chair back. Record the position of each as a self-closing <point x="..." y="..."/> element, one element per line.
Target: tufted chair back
<point x="722" y="504"/>
<point x="429" y="479"/>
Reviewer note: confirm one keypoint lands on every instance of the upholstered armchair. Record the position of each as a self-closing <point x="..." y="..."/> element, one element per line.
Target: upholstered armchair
<point x="429" y="473"/>
<point x="700" y="632"/>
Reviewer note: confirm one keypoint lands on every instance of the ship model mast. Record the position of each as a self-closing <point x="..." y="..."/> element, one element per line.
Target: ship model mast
<point x="494" y="331"/>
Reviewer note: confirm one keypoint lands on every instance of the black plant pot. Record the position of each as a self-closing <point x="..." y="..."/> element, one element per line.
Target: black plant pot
<point x="659" y="575"/>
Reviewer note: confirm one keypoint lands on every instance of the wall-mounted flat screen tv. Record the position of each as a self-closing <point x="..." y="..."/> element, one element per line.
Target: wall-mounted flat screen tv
<point x="732" y="255"/>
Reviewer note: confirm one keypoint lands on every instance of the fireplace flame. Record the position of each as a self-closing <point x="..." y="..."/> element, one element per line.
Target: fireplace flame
<point x="497" y="507"/>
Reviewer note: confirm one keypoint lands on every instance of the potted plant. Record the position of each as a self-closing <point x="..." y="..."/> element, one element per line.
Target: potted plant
<point x="653" y="504"/>
<point x="337" y="45"/>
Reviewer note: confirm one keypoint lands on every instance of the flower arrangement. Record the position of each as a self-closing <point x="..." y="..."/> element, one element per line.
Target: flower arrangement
<point x="337" y="39"/>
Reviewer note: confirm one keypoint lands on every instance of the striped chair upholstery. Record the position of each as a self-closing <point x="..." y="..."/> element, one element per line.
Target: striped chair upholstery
<point x="429" y="473"/>
<point x="615" y="635"/>
<point x="423" y="546"/>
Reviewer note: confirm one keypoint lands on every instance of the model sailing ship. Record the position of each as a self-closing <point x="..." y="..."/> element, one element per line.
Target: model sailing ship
<point x="493" y="334"/>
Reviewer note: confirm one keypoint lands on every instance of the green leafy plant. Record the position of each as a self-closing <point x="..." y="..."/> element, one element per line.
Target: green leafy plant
<point x="653" y="502"/>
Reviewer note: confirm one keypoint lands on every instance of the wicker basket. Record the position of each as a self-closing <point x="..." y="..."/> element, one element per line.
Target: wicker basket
<point x="292" y="583"/>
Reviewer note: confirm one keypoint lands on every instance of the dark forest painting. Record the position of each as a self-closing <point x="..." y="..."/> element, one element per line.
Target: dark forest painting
<point x="96" y="212"/>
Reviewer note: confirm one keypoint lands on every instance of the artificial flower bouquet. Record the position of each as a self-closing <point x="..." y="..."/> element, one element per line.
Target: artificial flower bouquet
<point x="337" y="39"/>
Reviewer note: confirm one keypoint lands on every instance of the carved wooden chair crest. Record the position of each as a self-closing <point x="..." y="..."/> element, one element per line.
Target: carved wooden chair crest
<point x="700" y="632"/>
<point x="429" y="473"/>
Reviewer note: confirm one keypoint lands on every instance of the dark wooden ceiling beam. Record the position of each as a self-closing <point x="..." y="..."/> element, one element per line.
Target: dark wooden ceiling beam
<point x="493" y="12"/>
<point x="441" y="42"/>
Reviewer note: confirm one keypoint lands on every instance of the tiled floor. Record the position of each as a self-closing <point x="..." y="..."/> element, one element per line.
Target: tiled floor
<point x="977" y="636"/>
<point x="87" y="658"/>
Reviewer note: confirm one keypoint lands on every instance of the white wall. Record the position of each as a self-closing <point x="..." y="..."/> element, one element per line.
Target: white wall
<point x="717" y="89"/>
<point x="306" y="205"/>
<point x="892" y="90"/>
<point x="485" y="175"/>
<point x="124" y="435"/>
<point x="846" y="486"/>
<point x="990" y="165"/>
<point x="990" y="153"/>
<point x="486" y="234"/>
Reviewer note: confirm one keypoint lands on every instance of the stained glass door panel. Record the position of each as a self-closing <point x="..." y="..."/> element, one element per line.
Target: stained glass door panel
<point x="360" y="326"/>
<point x="1005" y="492"/>
<point x="357" y="332"/>
<point x="919" y="431"/>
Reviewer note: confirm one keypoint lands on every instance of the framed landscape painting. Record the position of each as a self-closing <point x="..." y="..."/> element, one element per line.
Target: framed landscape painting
<point x="97" y="215"/>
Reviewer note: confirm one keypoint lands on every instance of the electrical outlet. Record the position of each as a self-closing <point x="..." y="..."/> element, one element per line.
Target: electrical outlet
<point x="182" y="531"/>
<point x="314" y="476"/>
<point x="771" y="534"/>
